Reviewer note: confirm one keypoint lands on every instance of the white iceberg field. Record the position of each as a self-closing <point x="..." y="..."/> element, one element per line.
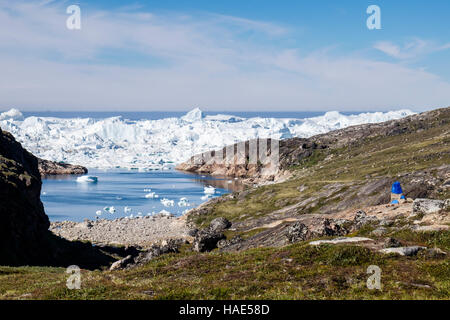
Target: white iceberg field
<point x="159" y="144"/>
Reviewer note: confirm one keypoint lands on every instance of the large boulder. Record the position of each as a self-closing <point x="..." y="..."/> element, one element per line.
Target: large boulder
<point x="206" y="240"/>
<point x="427" y="206"/>
<point x="219" y="224"/>
<point x="298" y="232"/>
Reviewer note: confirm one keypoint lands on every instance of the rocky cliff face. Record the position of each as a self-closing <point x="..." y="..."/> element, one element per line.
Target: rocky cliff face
<point x="23" y="222"/>
<point x="24" y="235"/>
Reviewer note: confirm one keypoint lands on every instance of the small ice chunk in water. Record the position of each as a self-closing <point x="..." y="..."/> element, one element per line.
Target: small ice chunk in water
<point x="150" y="195"/>
<point x="167" y="203"/>
<point x="127" y="209"/>
<point x="44" y="193"/>
<point x="87" y="179"/>
<point x="165" y="213"/>
<point x="110" y="209"/>
<point x="209" y="190"/>
<point x="183" y="202"/>
<point x="98" y="212"/>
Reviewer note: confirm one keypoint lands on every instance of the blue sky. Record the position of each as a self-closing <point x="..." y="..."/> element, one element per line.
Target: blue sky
<point x="225" y="55"/>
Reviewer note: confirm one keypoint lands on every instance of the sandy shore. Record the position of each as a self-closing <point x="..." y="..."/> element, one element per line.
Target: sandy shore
<point x="141" y="231"/>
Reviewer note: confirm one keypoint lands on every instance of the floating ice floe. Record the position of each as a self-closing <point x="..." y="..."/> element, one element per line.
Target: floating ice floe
<point x="87" y="179"/>
<point x="209" y="190"/>
<point x="110" y="209"/>
<point x="183" y="202"/>
<point x="98" y="212"/>
<point x="151" y="195"/>
<point x="44" y="193"/>
<point x="165" y="213"/>
<point x="147" y="190"/>
<point x="127" y="210"/>
<point x="167" y="203"/>
<point x="205" y="197"/>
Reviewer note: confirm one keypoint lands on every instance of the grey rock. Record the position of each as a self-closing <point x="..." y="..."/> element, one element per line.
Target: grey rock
<point x="340" y="241"/>
<point x="427" y="206"/>
<point x="219" y="224"/>
<point x="361" y="219"/>
<point x="121" y="264"/>
<point x="379" y="231"/>
<point x="297" y="232"/>
<point x="192" y="232"/>
<point x="403" y="251"/>
<point x="391" y="243"/>
<point x="206" y="240"/>
<point x="226" y="243"/>
<point x="434" y="253"/>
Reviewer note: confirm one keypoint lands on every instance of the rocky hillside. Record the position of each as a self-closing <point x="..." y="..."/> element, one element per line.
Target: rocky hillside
<point x="297" y="151"/>
<point x="346" y="169"/>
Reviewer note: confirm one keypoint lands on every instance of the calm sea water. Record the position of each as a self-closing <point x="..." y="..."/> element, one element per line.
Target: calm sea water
<point x="65" y="199"/>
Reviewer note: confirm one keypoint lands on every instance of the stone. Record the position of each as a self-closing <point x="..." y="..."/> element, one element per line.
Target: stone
<point x="297" y="232"/>
<point x="361" y="219"/>
<point x="206" y="240"/>
<point x="226" y="243"/>
<point x="340" y="241"/>
<point x="192" y="232"/>
<point x="121" y="264"/>
<point x="219" y="224"/>
<point x="434" y="253"/>
<point x="427" y="206"/>
<point x="391" y="243"/>
<point x="379" y="231"/>
<point x="403" y="251"/>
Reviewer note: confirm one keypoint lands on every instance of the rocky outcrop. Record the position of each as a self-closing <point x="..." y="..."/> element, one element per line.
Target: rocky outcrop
<point x="23" y="222"/>
<point x="24" y="235"/>
<point x="47" y="167"/>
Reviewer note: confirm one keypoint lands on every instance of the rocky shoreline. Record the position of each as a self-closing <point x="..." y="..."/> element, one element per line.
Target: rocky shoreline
<point x="47" y="168"/>
<point x="141" y="231"/>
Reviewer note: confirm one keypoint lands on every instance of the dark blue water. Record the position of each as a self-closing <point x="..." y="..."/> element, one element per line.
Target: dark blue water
<point x="65" y="199"/>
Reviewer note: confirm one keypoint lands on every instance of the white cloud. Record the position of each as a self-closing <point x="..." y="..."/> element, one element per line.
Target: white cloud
<point x="411" y="50"/>
<point x="207" y="61"/>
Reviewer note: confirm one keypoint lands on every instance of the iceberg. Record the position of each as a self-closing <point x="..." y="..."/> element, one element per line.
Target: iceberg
<point x="87" y="179"/>
<point x="160" y="144"/>
<point x="209" y="190"/>
<point x="12" y="114"/>
<point x="167" y="203"/>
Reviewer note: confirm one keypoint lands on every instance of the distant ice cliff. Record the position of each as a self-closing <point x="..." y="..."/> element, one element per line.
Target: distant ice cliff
<point x="159" y="144"/>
